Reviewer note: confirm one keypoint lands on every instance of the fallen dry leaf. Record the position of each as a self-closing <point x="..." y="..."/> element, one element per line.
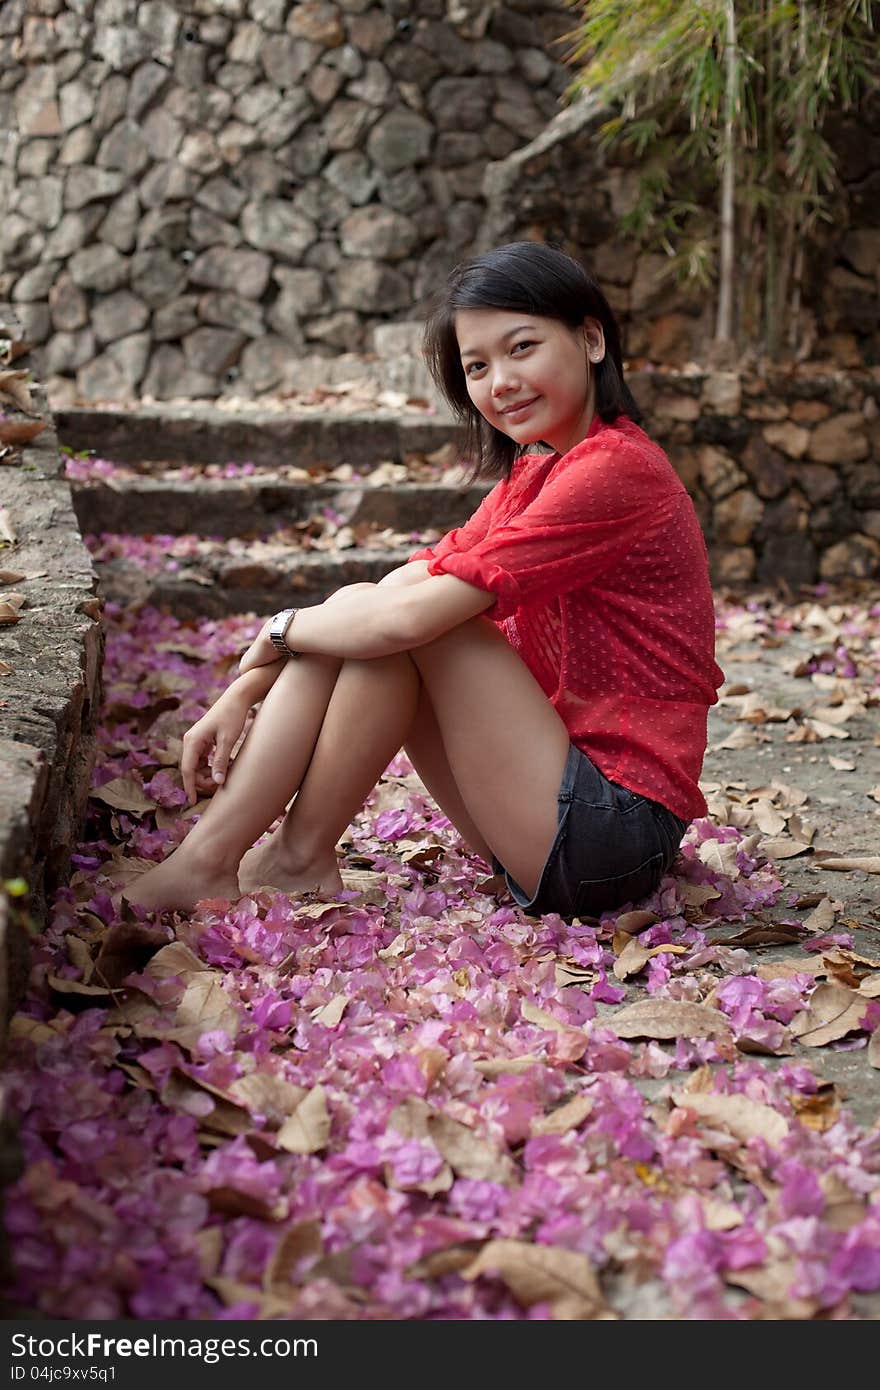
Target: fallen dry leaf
<point x="834" y="1011"/>
<point x="874" y="1048"/>
<point x="745" y="1119"/>
<point x="307" y="1130"/>
<point x="634" y="957"/>
<point x="543" y="1274"/>
<point x="14" y="386"/>
<point x="564" y="1118"/>
<point x="667" y="1018"/>
<point x="20" y="431"/>
<point x="125" y="794"/>
<point x="821" y="919"/>
<point x="205" y="1006"/>
<point x="867" y="863"/>
<point x="329" y="1014"/>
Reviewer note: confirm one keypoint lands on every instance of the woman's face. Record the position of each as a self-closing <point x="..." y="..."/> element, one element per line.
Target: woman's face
<point x="530" y="377"/>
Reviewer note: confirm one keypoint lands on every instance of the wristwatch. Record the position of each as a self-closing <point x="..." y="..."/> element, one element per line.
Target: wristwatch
<point x="280" y="624"/>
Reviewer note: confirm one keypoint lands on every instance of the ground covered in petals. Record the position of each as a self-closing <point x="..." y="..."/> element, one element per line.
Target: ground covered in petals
<point x="414" y="1101"/>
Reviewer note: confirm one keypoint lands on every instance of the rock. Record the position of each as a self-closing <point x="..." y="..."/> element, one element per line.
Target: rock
<point x="36" y="324"/>
<point x="722" y="392"/>
<point x="317" y="21"/>
<point x="118" y="315"/>
<point x="247" y="44"/>
<point x="40" y="200"/>
<point x="791" y="557"/>
<point x="861" y="248"/>
<point x="324" y="84"/>
<point x="371" y="32"/>
<point x="653" y="287"/>
<point x="534" y="65"/>
<point x="199" y="151"/>
<point x="229" y="311"/>
<point x="176" y="318"/>
<point x="399" y="140"/>
<point x="147" y="83"/>
<point x="207" y="230"/>
<point x="169" y="375"/>
<point x="345" y="124"/>
<point x="287" y="60"/>
<point x="351" y="174"/>
<point x="256" y="102"/>
<point x="244" y="272"/>
<point x="36" y="107"/>
<point x="870" y="522"/>
<point x="765" y="468"/>
<point x="66" y="351"/>
<point x="221" y="196"/>
<point x="264" y="361"/>
<point x="522" y="117"/>
<point x="720" y="474"/>
<point x="818" y="481"/>
<point x="157" y="276"/>
<point x="124" y="148"/>
<point x="161" y="24"/>
<point x="269" y="13"/>
<point x="167" y="183"/>
<point x="374" y="87"/>
<point x="737" y="515"/>
<point x="668" y="407"/>
<point x="213" y="350"/>
<point x="234" y="139"/>
<point x="733" y="566"/>
<point x="85" y="185"/>
<point x="272" y="225"/>
<point x="102" y="379"/>
<point x="112" y="99"/>
<point x="840" y="439"/>
<point x="68" y="305"/>
<point x="305" y="155"/>
<point x="461" y="103"/>
<point x="379" y="232"/>
<point x="809" y="412"/>
<point x="371" y="287"/>
<point x="285" y="119"/>
<point x="341" y="330"/>
<point x="305" y="288"/>
<point x="99" y="267"/>
<point x="788" y="437"/>
<point x="162" y="134"/>
<point x="120" y="225"/>
<point x="72" y="232"/>
<point x="121" y="47"/>
<point x="856" y="557"/>
<point x="168" y="227"/>
<point x="76" y="104"/>
<point x="35" y="158"/>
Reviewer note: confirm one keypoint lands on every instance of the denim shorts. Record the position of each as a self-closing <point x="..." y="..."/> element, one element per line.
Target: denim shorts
<point x="612" y="846"/>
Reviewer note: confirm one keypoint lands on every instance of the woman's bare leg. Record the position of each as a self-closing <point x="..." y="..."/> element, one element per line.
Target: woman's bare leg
<point x="368" y="717"/>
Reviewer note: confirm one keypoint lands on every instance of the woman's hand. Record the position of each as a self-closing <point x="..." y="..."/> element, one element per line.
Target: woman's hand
<point x="260" y="652"/>
<point x="209" y="743"/>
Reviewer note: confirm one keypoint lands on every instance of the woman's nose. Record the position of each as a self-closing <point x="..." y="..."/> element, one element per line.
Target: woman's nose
<point x="502" y="380"/>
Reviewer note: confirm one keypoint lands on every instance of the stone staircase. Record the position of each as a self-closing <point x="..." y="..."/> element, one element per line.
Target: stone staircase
<point x="304" y="513"/>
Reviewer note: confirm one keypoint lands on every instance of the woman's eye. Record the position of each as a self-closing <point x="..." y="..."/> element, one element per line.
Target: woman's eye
<point x="527" y="343"/>
<point x="473" y="367"/>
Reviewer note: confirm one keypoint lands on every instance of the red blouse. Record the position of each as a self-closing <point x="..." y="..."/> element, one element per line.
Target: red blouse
<point x="602" y="582"/>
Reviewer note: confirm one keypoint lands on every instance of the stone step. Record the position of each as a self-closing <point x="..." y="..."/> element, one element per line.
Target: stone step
<point x="216" y="582"/>
<point x="209" y="434"/>
<point x="254" y="505"/>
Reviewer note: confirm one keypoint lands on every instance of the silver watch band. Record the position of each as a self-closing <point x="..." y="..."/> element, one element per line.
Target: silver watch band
<point x="278" y="630"/>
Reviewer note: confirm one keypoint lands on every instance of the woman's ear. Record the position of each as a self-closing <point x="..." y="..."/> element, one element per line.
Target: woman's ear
<point x="594" y="340"/>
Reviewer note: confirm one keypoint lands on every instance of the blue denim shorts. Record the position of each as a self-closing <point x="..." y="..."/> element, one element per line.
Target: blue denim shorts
<point x="612" y="846"/>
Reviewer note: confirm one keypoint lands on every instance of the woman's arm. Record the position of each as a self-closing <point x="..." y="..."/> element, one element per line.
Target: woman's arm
<point x="411" y="573"/>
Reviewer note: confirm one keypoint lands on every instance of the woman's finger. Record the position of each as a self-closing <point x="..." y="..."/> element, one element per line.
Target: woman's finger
<point x="194" y="749"/>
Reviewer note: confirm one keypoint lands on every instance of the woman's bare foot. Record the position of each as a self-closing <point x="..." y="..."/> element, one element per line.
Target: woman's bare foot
<point x="266" y="866"/>
<point x="182" y="880"/>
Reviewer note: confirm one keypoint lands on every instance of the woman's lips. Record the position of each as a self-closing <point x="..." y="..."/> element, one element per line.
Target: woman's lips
<point x="517" y="412"/>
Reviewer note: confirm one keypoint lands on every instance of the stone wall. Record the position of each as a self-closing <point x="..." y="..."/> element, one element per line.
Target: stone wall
<point x="784" y="469"/>
<point x="201" y="196"/>
<point x="50" y="659"/>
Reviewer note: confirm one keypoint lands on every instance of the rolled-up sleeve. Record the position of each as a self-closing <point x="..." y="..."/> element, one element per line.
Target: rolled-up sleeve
<point x="593" y="507"/>
<point x="475" y="529"/>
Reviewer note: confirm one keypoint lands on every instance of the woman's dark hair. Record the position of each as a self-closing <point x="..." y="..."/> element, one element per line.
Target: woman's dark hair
<point x="524" y="277"/>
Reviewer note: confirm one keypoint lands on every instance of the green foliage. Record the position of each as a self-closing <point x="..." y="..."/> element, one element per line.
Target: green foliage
<point x="689" y="106"/>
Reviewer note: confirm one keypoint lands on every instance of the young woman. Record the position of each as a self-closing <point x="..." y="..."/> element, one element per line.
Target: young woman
<point x="547" y="667"/>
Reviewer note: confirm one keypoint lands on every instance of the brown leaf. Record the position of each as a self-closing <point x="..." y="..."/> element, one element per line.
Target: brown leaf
<point x="821" y="919"/>
<point x="867" y="863"/>
<point x="20" y="431"/>
<point x="205" y="1006"/>
<point x="745" y="1119"/>
<point x="330" y="1014"/>
<point x="7" y="530"/>
<point x="771" y="935"/>
<point x="467" y="1154"/>
<point x="771" y="1283"/>
<point x="509" y="1066"/>
<point x="125" y="947"/>
<point x="543" y="1274"/>
<point x="9" y="609"/>
<point x="210" y="1107"/>
<point x="874" y="1048"/>
<point x="263" y="1093"/>
<point x="636" y="921"/>
<point x="307" y="1130"/>
<point x="175" y="959"/>
<point x="14" y="387"/>
<point x="667" y="1018"/>
<point x="564" y="1118"/>
<point x="834" y="1011"/>
<point x="125" y="794"/>
<point x="61" y="986"/>
<point x="300" y="1242"/>
<point x="5" y="669"/>
<point x="784" y="848"/>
